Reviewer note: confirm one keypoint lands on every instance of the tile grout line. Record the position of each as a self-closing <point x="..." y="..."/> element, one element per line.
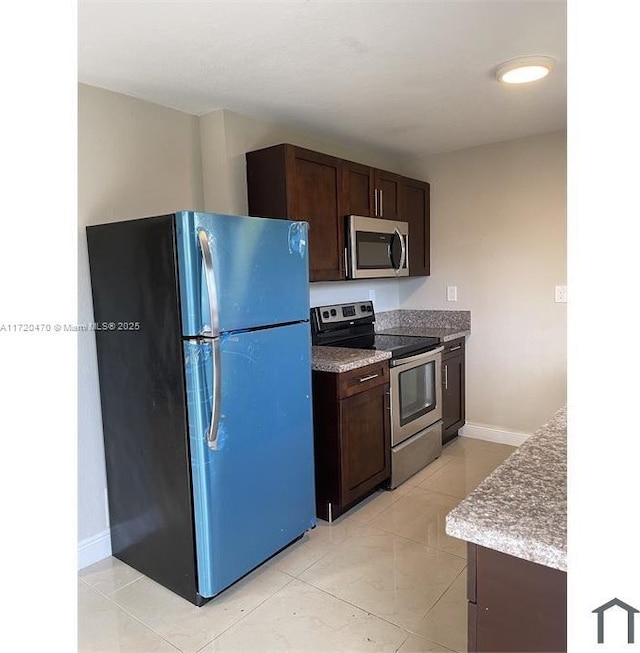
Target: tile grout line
<point x="464" y="570"/>
<point x="376" y="616"/>
<point x="255" y="607"/>
<point x="358" y="607"/>
<point x="117" y="605"/>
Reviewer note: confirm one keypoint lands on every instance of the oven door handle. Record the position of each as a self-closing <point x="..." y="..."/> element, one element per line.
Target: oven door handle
<point x="423" y="357"/>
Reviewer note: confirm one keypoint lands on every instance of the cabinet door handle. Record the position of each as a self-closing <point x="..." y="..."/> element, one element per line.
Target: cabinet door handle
<point x="368" y="378"/>
<point x="381" y="209"/>
<point x="454" y="348"/>
<point x="375" y="201"/>
<point x="446" y="377"/>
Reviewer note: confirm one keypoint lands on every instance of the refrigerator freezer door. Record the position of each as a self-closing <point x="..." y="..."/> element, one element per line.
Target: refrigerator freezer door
<point x="260" y="267"/>
<point x="254" y="493"/>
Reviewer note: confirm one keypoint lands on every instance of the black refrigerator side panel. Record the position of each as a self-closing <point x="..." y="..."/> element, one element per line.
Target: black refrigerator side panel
<point x="142" y="389"/>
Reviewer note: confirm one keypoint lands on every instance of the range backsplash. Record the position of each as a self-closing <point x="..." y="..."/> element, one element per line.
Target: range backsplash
<point x="460" y="320"/>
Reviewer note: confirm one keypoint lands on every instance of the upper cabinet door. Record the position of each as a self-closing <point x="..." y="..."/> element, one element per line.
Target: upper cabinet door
<point x="285" y="181"/>
<point x="387" y="195"/>
<point x="414" y="208"/>
<point x="357" y="188"/>
<point x="316" y="196"/>
<point x="370" y="192"/>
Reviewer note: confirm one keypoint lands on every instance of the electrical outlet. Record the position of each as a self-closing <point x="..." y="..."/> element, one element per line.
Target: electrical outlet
<point x="452" y="293"/>
<point x="561" y="294"/>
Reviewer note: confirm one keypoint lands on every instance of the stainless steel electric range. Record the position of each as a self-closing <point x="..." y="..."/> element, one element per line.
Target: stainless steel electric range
<point x="415" y="387"/>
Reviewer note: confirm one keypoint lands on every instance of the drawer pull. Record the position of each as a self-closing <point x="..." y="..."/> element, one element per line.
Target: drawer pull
<point x="368" y="378"/>
<point x="454" y="348"/>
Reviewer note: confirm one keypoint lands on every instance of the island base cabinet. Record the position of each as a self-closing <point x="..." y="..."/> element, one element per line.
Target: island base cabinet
<point x="514" y="604"/>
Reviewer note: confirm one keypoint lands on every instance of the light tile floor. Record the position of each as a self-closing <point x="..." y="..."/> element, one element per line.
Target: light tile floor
<point x="383" y="577"/>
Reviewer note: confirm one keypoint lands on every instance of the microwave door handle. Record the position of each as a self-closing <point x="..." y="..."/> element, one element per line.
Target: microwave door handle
<point x="403" y="250"/>
<point x="390" y="251"/>
<point x="403" y="247"/>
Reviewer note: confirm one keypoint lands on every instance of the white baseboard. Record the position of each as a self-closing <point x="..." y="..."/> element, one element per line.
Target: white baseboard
<point x="94" y="548"/>
<point x="493" y="434"/>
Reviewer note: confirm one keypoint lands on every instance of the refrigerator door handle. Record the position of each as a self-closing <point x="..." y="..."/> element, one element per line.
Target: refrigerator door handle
<point x="212" y="432"/>
<point x="210" y="278"/>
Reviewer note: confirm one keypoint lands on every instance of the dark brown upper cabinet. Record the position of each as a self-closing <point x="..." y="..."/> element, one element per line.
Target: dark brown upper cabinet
<point x="387" y="195"/>
<point x="415" y="209"/>
<point x="370" y="192"/>
<point x="285" y="181"/>
<point x="358" y="189"/>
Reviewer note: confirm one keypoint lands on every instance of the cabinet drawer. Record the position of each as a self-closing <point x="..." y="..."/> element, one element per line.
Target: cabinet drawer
<point x="453" y="348"/>
<point x="362" y="378"/>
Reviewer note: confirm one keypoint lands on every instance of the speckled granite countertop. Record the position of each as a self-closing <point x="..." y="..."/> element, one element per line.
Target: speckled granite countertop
<point x="521" y="508"/>
<point x="343" y="359"/>
<point x="446" y="325"/>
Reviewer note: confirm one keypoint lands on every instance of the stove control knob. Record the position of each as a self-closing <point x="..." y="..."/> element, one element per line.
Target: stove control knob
<point x="325" y="314"/>
<point x="364" y="308"/>
<point x="333" y="312"/>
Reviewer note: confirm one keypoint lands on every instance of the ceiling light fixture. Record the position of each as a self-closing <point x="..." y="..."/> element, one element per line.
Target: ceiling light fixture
<point x="524" y="70"/>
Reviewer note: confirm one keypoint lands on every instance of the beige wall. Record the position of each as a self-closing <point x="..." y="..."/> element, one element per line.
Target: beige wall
<point x="498" y="233"/>
<point x="134" y="159"/>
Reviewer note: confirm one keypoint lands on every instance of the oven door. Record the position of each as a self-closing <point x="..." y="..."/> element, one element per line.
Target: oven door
<point x="416" y="394"/>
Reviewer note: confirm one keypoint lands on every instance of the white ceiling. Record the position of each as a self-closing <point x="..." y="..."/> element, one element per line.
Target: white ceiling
<point x="407" y="78"/>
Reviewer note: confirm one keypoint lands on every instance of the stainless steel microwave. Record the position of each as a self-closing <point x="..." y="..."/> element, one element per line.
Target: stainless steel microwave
<point x="376" y="248"/>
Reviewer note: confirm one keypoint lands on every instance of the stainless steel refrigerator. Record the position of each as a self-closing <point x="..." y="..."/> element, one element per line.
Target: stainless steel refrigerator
<point x="203" y="347"/>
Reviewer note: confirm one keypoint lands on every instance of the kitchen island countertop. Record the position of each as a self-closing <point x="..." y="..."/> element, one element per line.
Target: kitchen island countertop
<point x="521" y="508"/>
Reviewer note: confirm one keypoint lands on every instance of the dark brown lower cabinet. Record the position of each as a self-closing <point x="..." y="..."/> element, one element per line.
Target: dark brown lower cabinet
<point x="453" y="395"/>
<point x="351" y="435"/>
<point x="514" y="604"/>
